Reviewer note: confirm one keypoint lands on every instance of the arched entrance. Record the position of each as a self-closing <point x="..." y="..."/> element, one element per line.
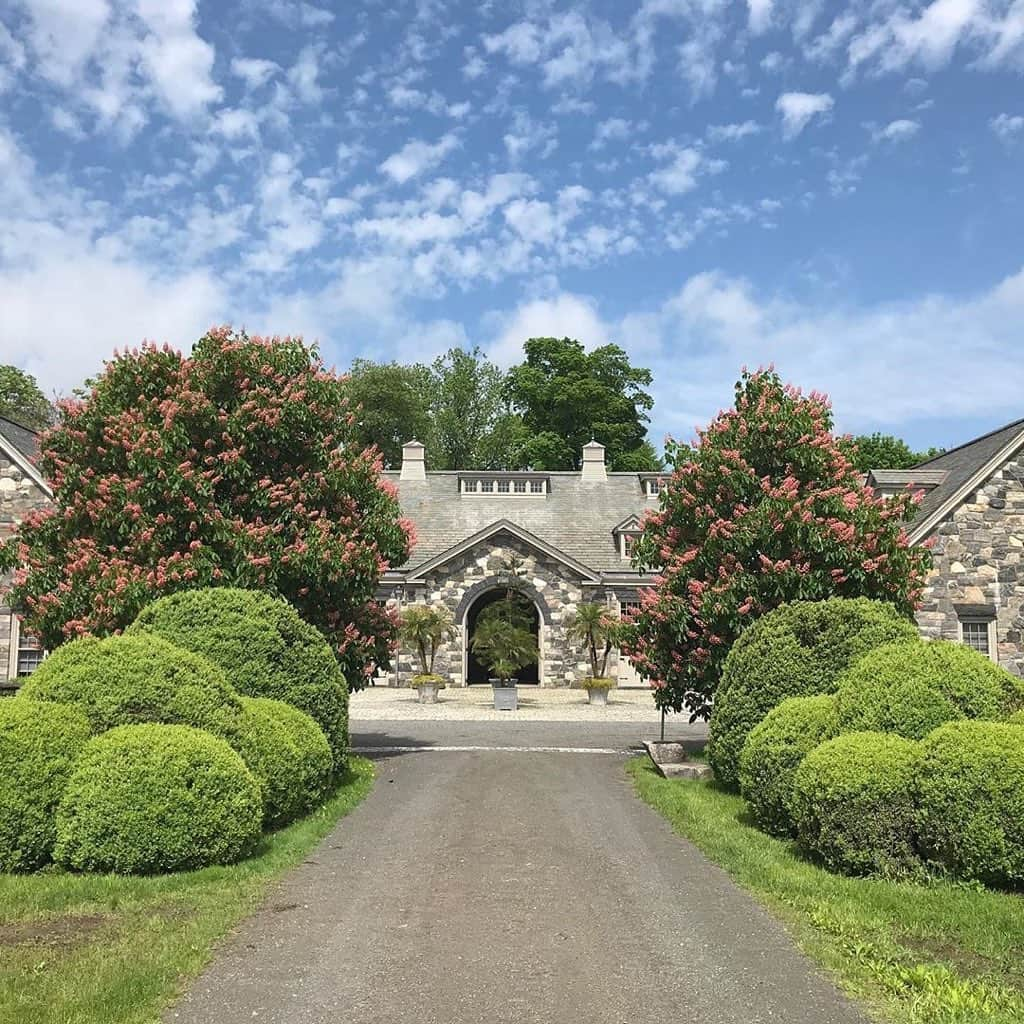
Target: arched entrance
<point x="477" y="672"/>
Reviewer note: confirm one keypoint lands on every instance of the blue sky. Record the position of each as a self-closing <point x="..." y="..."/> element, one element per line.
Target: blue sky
<point x="834" y="188"/>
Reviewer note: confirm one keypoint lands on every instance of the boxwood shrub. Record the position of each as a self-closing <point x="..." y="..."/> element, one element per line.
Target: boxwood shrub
<point x="145" y="799"/>
<point x="853" y="803"/>
<point x="288" y="754"/>
<point x="914" y="686"/>
<point x="1017" y="719"/>
<point x="774" y="750"/>
<point x="796" y="650"/>
<point x="263" y="647"/>
<point x="132" y="680"/>
<point x="970" y="817"/>
<point x="39" y="743"/>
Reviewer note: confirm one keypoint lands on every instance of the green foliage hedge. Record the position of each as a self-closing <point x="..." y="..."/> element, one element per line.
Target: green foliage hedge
<point x="797" y="650"/>
<point x="145" y="799"/>
<point x="774" y="750"/>
<point x="1017" y="719"/>
<point x="853" y="802"/>
<point x="263" y="647"/>
<point x="132" y="680"/>
<point x="913" y="687"/>
<point x="970" y="816"/>
<point x="39" y="743"/>
<point x="288" y="754"/>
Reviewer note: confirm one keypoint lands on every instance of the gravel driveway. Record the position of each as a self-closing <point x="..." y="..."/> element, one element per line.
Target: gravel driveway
<point x="508" y="888"/>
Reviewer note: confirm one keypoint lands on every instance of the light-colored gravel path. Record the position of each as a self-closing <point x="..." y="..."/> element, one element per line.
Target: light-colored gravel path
<point x="476" y="704"/>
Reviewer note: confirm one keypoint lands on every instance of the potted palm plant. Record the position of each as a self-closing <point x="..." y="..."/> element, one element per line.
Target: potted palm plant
<point x="504" y="641"/>
<point x="426" y="627"/>
<point x="598" y="630"/>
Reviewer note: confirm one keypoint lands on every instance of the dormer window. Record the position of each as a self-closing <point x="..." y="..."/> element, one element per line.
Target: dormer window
<point x="651" y="483"/>
<point x="522" y="485"/>
<point x="627" y="533"/>
<point x="628" y="544"/>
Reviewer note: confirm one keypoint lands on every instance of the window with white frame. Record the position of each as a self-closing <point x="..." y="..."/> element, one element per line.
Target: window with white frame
<point x="537" y="486"/>
<point x="627" y="543"/>
<point x="653" y="488"/>
<point x="627" y="609"/>
<point x="504" y="486"/>
<point x="976" y="633"/>
<point x="30" y="654"/>
<point x="520" y="486"/>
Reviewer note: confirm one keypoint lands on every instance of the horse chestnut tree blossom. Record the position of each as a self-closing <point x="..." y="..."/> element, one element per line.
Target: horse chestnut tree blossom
<point x="765" y="507"/>
<point x="228" y="467"/>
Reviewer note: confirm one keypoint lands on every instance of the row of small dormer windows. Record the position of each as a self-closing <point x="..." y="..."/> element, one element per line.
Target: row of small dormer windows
<point x="504" y="486"/>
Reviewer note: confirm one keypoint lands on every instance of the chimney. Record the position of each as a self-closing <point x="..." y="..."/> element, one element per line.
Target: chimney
<point x="414" y="466"/>
<point x="593" y="462"/>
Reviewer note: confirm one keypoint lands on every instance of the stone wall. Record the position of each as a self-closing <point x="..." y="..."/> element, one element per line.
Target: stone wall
<point x="19" y="495"/>
<point x="556" y="589"/>
<point x="978" y="561"/>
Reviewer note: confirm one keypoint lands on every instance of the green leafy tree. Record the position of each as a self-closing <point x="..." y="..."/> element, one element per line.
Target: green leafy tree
<point x="764" y="508"/>
<point x="426" y="627"/>
<point x="391" y="403"/>
<point x="468" y="412"/>
<point x="234" y="466"/>
<point x="21" y="400"/>
<point x="883" y="451"/>
<point x="567" y="396"/>
<point x="597" y="629"/>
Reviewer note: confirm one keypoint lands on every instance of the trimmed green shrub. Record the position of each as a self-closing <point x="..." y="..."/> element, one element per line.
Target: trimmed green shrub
<point x="774" y="750"/>
<point x="38" y="746"/>
<point x="288" y="754"/>
<point x="132" y="680"/>
<point x="796" y="650"/>
<point x="145" y="799"/>
<point x="912" y="687"/>
<point x="853" y="803"/>
<point x="970" y="798"/>
<point x="1017" y="719"/>
<point x="263" y="648"/>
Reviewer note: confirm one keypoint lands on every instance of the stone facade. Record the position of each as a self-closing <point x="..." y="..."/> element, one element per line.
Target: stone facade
<point x="556" y="589"/>
<point x="19" y="495"/>
<point x="978" y="568"/>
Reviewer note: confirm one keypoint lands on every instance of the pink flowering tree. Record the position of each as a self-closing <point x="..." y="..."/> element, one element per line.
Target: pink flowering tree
<point x="765" y="507"/>
<point x="228" y="467"/>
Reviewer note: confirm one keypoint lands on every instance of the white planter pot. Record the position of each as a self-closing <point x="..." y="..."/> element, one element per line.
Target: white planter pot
<point x="506" y="698"/>
<point x="428" y="693"/>
<point x="598" y="697"/>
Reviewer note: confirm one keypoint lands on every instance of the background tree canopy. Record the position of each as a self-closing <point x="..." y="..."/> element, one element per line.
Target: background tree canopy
<point x="472" y="415"/>
<point x="21" y="400"/>
<point x="883" y="451"/>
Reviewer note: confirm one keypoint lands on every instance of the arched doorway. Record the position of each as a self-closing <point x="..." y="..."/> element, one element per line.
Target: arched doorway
<point x="476" y="672"/>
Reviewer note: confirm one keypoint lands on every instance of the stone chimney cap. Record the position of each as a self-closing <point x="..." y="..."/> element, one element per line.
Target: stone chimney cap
<point x="413" y="444"/>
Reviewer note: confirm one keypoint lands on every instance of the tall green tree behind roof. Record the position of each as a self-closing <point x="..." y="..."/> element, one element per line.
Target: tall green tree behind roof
<point x="568" y="396"/>
<point x="22" y="401"/>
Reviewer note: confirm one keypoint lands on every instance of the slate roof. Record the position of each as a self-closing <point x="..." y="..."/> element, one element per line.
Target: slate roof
<point x="577" y="517"/>
<point x="962" y="463"/>
<point x="22" y="438"/>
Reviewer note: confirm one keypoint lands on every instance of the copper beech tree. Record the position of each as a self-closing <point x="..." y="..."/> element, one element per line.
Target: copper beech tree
<point x="765" y="507"/>
<point x="227" y="467"/>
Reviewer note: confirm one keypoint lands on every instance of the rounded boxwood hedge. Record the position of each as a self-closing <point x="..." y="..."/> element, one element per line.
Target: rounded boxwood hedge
<point x="970" y="800"/>
<point x="796" y="650"/>
<point x="774" y="750"/>
<point x="913" y="687"/>
<point x="145" y="799"/>
<point x="288" y="754"/>
<point x="853" y="802"/>
<point x="1017" y="719"/>
<point x="263" y="647"/>
<point x="132" y="680"/>
<point x="39" y="743"/>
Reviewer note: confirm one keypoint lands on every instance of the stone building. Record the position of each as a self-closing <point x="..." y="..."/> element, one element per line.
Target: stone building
<point x="572" y="534"/>
<point x="973" y="511"/>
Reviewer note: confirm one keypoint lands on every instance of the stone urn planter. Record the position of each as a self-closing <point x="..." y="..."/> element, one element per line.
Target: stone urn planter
<point x="428" y="686"/>
<point x="598" y="690"/>
<point x="506" y="694"/>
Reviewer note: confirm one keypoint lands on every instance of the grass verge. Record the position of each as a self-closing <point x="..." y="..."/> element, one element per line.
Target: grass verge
<point x="934" y="953"/>
<point x="109" y="949"/>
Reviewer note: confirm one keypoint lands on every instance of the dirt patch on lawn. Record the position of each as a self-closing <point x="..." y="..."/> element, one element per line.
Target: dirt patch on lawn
<point x="52" y="931"/>
<point x="967" y="962"/>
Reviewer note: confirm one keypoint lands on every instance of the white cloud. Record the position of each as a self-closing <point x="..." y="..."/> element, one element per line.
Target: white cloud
<point x="732" y="132"/>
<point x="1007" y="126"/>
<point x="759" y="15"/>
<point x="897" y="131"/>
<point x="254" y="71"/>
<point x="682" y="169"/>
<point x="417" y="156"/>
<point x="563" y="316"/>
<point x="615" y="129"/>
<point x="798" y="109"/>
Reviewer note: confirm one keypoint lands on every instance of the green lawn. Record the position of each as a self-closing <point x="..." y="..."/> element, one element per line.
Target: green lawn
<point x="933" y="953"/>
<point x="105" y="949"/>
